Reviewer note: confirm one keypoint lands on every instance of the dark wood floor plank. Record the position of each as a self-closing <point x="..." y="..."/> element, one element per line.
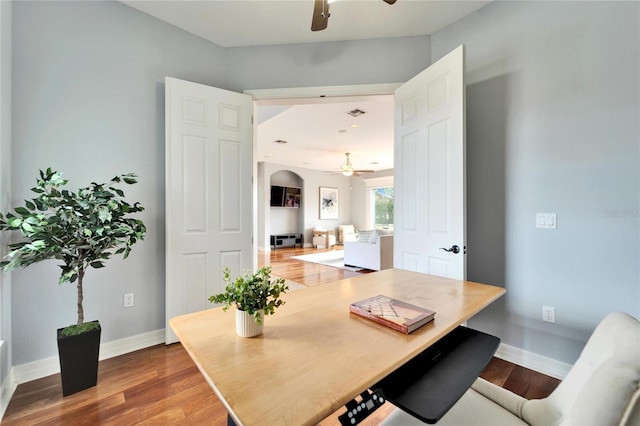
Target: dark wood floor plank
<point x="160" y="385"/>
<point x="519" y="380"/>
<point x="541" y="386"/>
<point x="497" y="371"/>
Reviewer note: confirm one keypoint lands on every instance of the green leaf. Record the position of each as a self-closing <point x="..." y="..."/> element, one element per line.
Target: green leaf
<point x="104" y="214"/>
<point x="14" y="222"/>
<point x="22" y="211"/>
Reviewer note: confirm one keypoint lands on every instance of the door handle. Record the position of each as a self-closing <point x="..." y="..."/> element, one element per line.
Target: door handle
<point x="453" y="249"/>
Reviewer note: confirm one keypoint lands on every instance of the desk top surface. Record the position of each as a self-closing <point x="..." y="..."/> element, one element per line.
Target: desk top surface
<point x="314" y="355"/>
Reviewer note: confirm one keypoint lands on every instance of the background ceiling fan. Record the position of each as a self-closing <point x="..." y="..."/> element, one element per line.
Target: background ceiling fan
<point x="347" y="168"/>
<point x="321" y="15"/>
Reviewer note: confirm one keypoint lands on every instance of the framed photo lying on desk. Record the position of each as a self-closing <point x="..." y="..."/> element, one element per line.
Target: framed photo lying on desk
<point x="314" y="356"/>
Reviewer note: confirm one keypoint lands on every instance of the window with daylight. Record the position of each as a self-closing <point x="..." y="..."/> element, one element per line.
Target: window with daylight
<point x="379" y="202"/>
<point x="382" y="207"/>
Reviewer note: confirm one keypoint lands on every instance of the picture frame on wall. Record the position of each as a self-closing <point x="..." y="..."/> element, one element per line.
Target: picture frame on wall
<point x="328" y="203"/>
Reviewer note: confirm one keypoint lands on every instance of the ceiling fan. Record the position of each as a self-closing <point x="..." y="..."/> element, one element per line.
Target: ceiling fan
<point x="347" y="168"/>
<point x="321" y="15"/>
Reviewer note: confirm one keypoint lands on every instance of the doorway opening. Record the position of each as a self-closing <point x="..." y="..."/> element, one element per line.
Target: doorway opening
<point x="317" y="158"/>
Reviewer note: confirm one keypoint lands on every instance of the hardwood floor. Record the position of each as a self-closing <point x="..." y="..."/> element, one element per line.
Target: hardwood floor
<point x="306" y="273"/>
<point x="160" y="385"/>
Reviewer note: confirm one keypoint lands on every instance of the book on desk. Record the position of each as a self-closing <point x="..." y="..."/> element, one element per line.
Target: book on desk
<point x="396" y="314"/>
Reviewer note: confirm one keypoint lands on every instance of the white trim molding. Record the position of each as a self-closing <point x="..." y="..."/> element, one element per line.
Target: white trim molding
<point x="313" y="93"/>
<point x="9" y="386"/>
<point x="532" y="361"/>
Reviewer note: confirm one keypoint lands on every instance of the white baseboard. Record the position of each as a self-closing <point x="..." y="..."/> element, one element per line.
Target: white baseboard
<point x="45" y="367"/>
<point x="131" y="344"/>
<point x="532" y="361"/>
<point x="9" y="386"/>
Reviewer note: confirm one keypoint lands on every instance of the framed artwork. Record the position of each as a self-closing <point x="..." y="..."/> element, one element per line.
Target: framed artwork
<point x="328" y="203"/>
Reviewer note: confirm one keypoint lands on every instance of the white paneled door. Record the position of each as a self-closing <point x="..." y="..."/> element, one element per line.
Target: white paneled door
<point x="208" y="193"/>
<point x="429" y="156"/>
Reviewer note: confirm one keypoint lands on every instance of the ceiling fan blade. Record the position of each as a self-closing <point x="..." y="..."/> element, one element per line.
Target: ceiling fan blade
<point x="390" y="1"/>
<point x="320" y="16"/>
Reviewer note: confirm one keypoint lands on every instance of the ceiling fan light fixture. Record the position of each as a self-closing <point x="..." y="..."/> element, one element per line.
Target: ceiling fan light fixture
<point x="347" y="168"/>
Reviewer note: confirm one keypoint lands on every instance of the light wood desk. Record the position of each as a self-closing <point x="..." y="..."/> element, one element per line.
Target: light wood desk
<point x="314" y="356"/>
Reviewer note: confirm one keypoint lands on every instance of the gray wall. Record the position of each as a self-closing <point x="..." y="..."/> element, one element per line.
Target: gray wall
<point x="552" y="126"/>
<point x="327" y="64"/>
<point x="5" y="180"/>
<point x="89" y="101"/>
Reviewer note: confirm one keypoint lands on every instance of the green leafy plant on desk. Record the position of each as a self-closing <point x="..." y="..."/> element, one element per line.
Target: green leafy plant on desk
<point x="256" y="294"/>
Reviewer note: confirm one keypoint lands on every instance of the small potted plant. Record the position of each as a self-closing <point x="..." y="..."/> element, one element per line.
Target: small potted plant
<point x="82" y="230"/>
<point x="254" y="296"/>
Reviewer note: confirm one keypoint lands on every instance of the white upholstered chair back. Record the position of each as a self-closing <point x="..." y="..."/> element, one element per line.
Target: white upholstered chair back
<point x="603" y="386"/>
<point x="601" y="389"/>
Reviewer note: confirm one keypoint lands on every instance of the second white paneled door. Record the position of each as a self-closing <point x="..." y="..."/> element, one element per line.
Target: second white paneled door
<point x="429" y="157"/>
<point x="208" y="192"/>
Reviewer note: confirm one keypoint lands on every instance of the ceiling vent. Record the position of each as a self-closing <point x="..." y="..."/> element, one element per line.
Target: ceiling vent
<point x="356" y="112"/>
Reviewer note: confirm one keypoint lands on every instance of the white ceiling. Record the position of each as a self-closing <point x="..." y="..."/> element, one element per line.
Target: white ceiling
<point x="233" y="23"/>
<point x="318" y="134"/>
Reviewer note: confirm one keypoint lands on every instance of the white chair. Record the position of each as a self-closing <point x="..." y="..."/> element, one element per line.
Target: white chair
<point x="346" y="233"/>
<point x="602" y="388"/>
<point x="323" y="238"/>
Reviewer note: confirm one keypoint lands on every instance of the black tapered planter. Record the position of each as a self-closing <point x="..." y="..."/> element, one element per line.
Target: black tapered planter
<point x="79" y="360"/>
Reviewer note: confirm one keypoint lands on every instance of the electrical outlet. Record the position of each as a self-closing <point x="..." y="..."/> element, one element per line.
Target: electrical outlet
<point x="549" y="314"/>
<point x="128" y="300"/>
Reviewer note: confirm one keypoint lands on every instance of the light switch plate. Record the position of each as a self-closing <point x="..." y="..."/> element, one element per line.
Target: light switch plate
<point x="546" y="220"/>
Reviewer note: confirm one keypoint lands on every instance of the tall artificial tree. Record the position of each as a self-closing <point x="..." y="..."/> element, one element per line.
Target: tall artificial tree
<point x="81" y="229"/>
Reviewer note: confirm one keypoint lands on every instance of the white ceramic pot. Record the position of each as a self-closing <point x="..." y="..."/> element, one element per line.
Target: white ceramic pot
<point x="246" y="325"/>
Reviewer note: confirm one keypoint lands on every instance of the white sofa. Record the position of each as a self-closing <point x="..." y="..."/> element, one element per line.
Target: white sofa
<point x="373" y="250"/>
<point x="347" y="233"/>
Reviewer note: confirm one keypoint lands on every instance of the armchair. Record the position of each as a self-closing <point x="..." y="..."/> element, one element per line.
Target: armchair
<point x="323" y="238"/>
<point x="602" y="388"/>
